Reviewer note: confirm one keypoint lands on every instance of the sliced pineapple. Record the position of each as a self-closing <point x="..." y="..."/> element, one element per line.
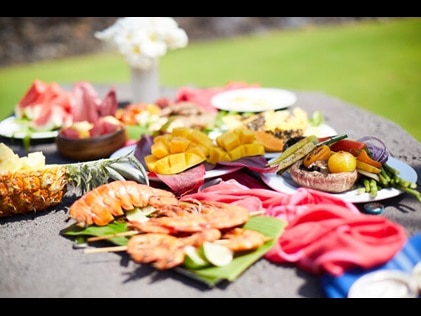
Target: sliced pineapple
<point x="24" y="191"/>
<point x="28" y="184"/>
<point x="8" y="159"/>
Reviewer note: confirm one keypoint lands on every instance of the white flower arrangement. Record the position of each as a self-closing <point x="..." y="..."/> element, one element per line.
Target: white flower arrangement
<point x="142" y="40"/>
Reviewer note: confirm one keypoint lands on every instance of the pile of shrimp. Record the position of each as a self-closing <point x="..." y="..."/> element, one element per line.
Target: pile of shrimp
<point x="173" y="225"/>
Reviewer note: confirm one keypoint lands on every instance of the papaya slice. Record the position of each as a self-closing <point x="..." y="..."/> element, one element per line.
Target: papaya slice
<point x="269" y="141"/>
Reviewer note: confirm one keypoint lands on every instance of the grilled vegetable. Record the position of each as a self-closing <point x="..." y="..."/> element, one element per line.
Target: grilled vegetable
<point x="322" y="152"/>
<point x="299" y="154"/>
<point x="349" y="145"/>
<point x="294" y="148"/>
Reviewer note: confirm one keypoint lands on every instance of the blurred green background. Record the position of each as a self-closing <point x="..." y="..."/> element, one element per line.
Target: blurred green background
<point x="375" y="65"/>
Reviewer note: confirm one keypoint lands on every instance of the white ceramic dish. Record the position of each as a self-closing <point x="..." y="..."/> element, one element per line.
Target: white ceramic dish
<point x="220" y="171"/>
<point x="253" y="99"/>
<point x="384" y="284"/>
<point x="285" y="184"/>
<point x="10" y="128"/>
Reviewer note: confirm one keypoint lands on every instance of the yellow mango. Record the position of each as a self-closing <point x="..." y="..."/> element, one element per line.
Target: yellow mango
<point x="193" y="159"/>
<point x="176" y="163"/>
<point x="159" y="149"/>
<point x="217" y="154"/>
<point x="178" y="144"/>
<point x="162" y="166"/>
<point x="181" y="131"/>
<point x="165" y="138"/>
<point x="228" y="140"/>
<point x="150" y="161"/>
<point x="200" y="137"/>
<point x="254" y="149"/>
<point x="201" y="151"/>
<point x="245" y="135"/>
<point x="237" y="152"/>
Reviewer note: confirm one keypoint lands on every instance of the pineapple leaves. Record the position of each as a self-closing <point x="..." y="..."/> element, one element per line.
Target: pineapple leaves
<point x="91" y="174"/>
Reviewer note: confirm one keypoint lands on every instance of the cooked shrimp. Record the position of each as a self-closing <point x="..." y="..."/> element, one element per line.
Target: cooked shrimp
<point x="222" y="215"/>
<point x="166" y="251"/>
<point x="149" y="227"/>
<point x="199" y="238"/>
<point x="101" y="205"/>
<point x="204" y="215"/>
<point x="163" y="251"/>
<point x="241" y="239"/>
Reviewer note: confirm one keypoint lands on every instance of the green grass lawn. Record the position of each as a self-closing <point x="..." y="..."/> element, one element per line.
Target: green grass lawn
<point x="375" y="65"/>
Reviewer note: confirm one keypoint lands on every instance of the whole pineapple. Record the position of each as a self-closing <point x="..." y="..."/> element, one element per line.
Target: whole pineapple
<point x="27" y="184"/>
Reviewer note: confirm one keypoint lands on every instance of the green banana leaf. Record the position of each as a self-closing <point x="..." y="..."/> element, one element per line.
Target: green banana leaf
<point x="93" y="230"/>
<point x="269" y="226"/>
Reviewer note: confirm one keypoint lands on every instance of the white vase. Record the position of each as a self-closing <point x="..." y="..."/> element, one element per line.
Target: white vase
<point x="145" y="83"/>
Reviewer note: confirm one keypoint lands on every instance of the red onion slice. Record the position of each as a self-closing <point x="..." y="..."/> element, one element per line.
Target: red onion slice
<point x="377" y="151"/>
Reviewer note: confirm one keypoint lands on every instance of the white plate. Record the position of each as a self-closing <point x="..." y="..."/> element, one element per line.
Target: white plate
<point x="285" y="184"/>
<point x="253" y="99"/>
<point x="220" y="171"/>
<point x="384" y="284"/>
<point x="320" y="131"/>
<point x="123" y="151"/>
<point x="9" y="127"/>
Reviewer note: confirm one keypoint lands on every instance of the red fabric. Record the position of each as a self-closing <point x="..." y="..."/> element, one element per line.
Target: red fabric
<point x="202" y="97"/>
<point x="323" y="233"/>
<point x="329" y="238"/>
<point x="280" y="205"/>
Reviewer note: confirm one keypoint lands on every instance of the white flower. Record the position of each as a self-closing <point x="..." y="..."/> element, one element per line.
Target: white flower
<point x="144" y="39"/>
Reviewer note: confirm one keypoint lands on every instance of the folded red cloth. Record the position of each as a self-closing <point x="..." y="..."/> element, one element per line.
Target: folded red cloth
<point x="323" y="234"/>
<point x="202" y="97"/>
<point x="330" y="238"/>
<point x="246" y="191"/>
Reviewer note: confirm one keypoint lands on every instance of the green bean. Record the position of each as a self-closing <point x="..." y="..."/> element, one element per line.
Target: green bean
<point x="388" y="177"/>
<point x="361" y="190"/>
<point x="413" y="192"/>
<point x="384" y="180"/>
<point x="390" y="169"/>
<point x="384" y="174"/>
<point x="366" y="184"/>
<point x="373" y="188"/>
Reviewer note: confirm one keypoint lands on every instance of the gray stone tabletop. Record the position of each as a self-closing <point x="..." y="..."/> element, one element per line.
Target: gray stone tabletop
<point x="36" y="261"/>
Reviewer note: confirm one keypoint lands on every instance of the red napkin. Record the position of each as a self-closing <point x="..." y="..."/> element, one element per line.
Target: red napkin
<point x="256" y="197"/>
<point x="323" y="234"/>
<point x="202" y="97"/>
<point x="330" y="238"/>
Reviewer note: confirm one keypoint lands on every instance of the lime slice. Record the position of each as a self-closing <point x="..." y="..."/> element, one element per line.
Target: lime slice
<point x="193" y="259"/>
<point x="216" y="254"/>
<point x="140" y="215"/>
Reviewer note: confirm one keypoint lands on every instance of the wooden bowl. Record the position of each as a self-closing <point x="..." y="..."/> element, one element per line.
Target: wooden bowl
<point x="93" y="148"/>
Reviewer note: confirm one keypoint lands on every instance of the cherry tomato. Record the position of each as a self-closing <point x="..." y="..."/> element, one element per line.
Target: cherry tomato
<point x="342" y="161"/>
